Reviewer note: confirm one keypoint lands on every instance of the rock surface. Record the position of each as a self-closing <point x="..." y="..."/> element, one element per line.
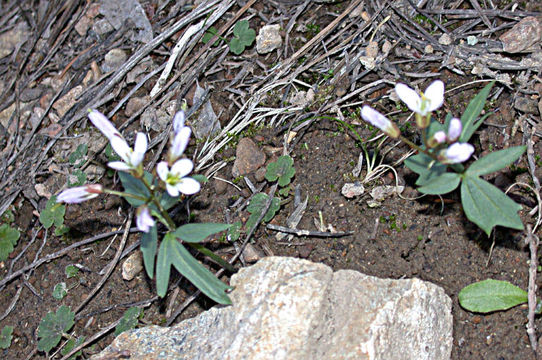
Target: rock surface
<point x="286" y="308"/>
<point x="248" y="158"/>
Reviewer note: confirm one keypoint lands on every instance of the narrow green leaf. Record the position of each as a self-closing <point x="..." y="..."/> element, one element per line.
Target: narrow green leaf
<point x="473" y="110"/>
<point x="487" y="206"/>
<point x="441" y="184"/>
<point x="495" y="161"/>
<point x="173" y="253"/>
<point x="491" y="295"/>
<point x="149" y="244"/>
<point x="214" y="257"/>
<point x="135" y="187"/>
<point x="198" y="232"/>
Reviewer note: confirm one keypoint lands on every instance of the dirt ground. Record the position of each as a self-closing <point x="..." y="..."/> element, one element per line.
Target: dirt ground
<point x="404" y="237"/>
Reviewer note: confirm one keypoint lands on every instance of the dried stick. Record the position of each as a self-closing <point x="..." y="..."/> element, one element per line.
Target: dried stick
<point x="533" y="241"/>
<point x="307" y="232"/>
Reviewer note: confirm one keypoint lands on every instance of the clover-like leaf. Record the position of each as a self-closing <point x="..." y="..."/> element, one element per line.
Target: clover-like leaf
<point x="5" y="337"/>
<point x="282" y="170"/>
<point x="256" y="207"/>
<point x="212" y="31"/>
<point x="129" y="320"/>
<point x="8" y="239"/>
<point x="80" y="176"/>
<point x="77" y="158"/>
<point x="71" y="271"/>
<point x="243" y="36"/>
<point x="491" y="295"/>
<point x="70" y="344"/>
<point x="52" y="214"/>
<point x="60" y="290"/>
<point x="52" y="326"/>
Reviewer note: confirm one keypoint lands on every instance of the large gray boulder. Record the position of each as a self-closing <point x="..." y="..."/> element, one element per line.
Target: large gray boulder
<point x="287" y="308"/>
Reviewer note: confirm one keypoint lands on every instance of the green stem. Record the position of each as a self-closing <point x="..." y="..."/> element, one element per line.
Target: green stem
<point x="124" y="194"/>
<point x="170" y="223"/>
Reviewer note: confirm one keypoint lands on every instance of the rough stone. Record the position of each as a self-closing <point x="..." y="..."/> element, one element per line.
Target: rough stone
<point x="248" y="158"/>
<point x="522" y="36"/>
<point x="445" y="39"/>
<point x="114" y="59"/>
<point x="286" y="308"/>
<point x="132" y="266"/>
<point x="64" y="104"/>
<point x="526" y="105"/>
<point x="12" y="38"/>
<point x="268" y="39"/>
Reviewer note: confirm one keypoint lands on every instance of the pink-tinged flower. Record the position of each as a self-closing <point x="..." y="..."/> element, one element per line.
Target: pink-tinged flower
<point x="144" y="220"/>
<point x="429" y="101"/>
<point x="178" y="121"/>
<point x="457" y="153"/>
<point x="79" y="194"/>
<point x="454" y="130"/>
<point x="132" y="158"/>
<point x="179" y="144"/>
<point x="438" y="138"/>
<point x="175" y="178"/>
<point x="378" y="120"/>
<point x="103" y="124"/>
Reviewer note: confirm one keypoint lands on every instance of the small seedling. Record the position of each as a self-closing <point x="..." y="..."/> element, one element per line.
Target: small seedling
<point x="77" y="158"/>
<point x="60" y="291"/>
<point x="129" y="320"/>
<point x="71" y="271"/>
<point x="8" y="239"/>
<point x="53" y="326"/>
<point x="53" y="214"/>
<point x="281" y="170"/>
<point x="5" y="337"/>
<point x="257" y="206"/>
<point x="243" y="36"/>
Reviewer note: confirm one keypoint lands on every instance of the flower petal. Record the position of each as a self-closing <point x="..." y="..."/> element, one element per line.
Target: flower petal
<point x="380" y="121"/>
<point x="454" y="130"/>
<point x="79" y="194"/>
<point x="182" y="167"/>
<point x="162" y="169"/>
<point x="180" y="141"/>
<point x="440" y="137"/>
<point x="435" y="94"/>
<point x="144" y="220"/>
<point x="103" y="124"/>
<point x="458" y="152"/>
<point x="178" y="121"/>
<point x="172" y="190"/>
<point x="188" y="186"/>
<point x="121" y="147"/>
<point x="119" y="165"/>
<point x="140" y="147"/>
<point x="409" y="97"/>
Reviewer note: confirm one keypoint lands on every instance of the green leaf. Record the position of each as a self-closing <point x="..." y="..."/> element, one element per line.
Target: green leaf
<point x="214" y="257"/>
<point x="77" y="158"/>
<point x="212" y="31"/>
<point x="200" y="178"/>
<point x="52" y="214"/>
<point x="198" y="232"/>
<point x="487" y="206"/>
<point x="81" y="178"/>
<point x="129" y="320"/>
<point x="60" y="290"/>
<point x="282" y="170"/>
<point x="243" y="37"/>
<point x="70" y="344"/>
<point x="473" y="110"/>
<point x="167" y="201"/>
<point x="495" y="161"/>
<point x="61" y="230"/>
<point x="256" y="207"/>
<point x="426" y="167"/>
<point x="234" y="232"/>
<point x="52" y="326"/>
<point x="110" y="154"/>
<point x="441" y="184"/>
<point x="8" y="239"/>
<point x="135" y="186"/>
<point x="491" y="295"/>
<point x="71" y="271"/>
<point x="172" y="252"/>
<point x="5" y="337"/>
<point x="149" y="244"/>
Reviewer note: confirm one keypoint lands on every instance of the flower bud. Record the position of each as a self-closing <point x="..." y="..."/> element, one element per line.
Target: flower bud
<point x="378" y="120"/>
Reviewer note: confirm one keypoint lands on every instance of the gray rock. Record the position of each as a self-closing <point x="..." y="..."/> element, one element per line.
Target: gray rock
<point x="286" y="308"/>
<point x="523" y="36"/>
<point x="526" y="105"/>
<point x="118" y="11"/>
<point x="113" y="60"/>
<point x="248" y="158"/>
<point x="268" y="39"/>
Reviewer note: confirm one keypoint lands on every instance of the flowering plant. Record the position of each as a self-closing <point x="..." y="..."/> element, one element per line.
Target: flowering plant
<point x="153" y="194"/>
<point x="445" y="146"/>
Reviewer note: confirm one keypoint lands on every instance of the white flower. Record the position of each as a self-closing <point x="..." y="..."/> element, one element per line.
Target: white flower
<point x="103" y="124"/>
<point x="132" y="158"/>
<point x="176" y="179"/>
<point x="457" y="153"/>
<point x="144" y="220"/>
<point x="79" y="194"/>
<point x="430" y="100"/>
<point x="454" y="130"/>
<point x="178" y="121"/>
<point x="180" y="141"/>
<point x="380" y="121"/>
<point x="439" y="137"/>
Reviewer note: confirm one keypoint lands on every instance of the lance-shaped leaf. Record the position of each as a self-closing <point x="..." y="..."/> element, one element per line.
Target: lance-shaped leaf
<point x="172" y="252"/>
<point x="198" y="232"/>
<point x="487" y="206"/>
<point x="495" y="161"/>
<point x="473" y="110"/>
<point x="441" y="184"/>
<point x="149" y="244"/>
<point x="491" y="295"/>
